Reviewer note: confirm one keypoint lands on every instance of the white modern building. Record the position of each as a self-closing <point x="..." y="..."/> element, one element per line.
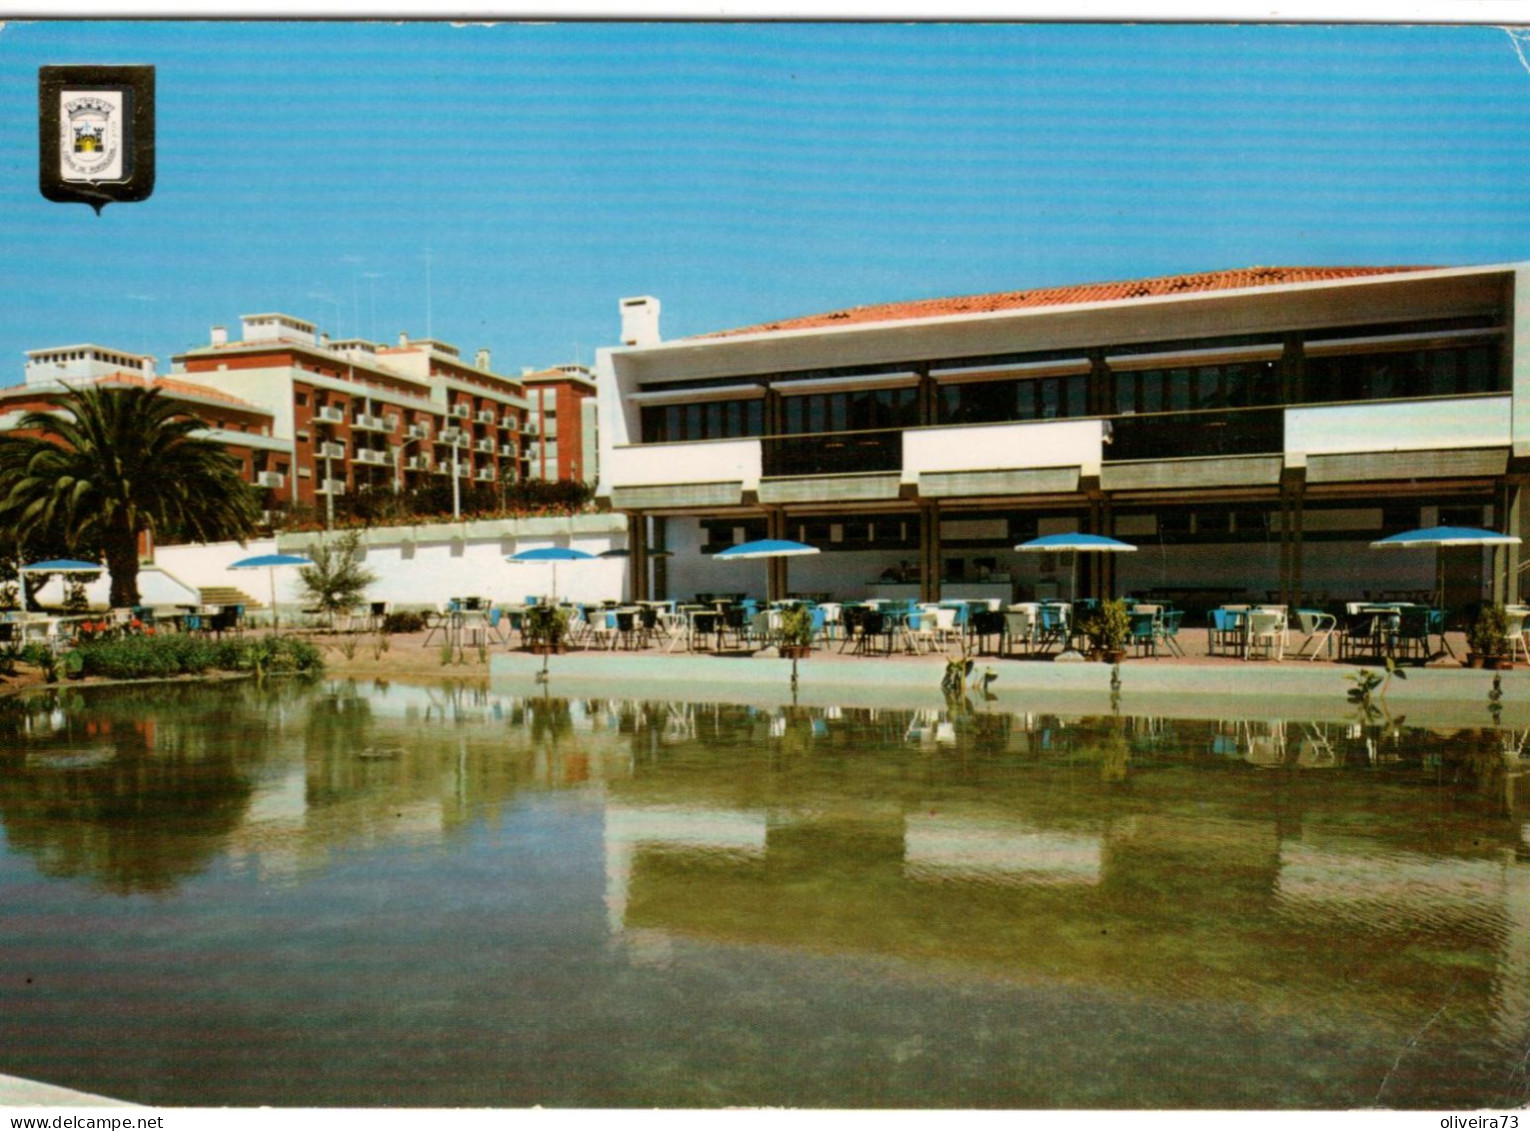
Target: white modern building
<point x="1250" y="431"/>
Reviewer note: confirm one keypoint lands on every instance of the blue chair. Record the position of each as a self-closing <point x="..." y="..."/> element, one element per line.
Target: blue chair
<point x="1224" y="631"/>
<point x="1144" y="633"/>
<point x="1051" y="625"/>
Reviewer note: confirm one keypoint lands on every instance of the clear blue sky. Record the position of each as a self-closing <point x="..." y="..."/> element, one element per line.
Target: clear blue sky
<point x="739" y="172"/>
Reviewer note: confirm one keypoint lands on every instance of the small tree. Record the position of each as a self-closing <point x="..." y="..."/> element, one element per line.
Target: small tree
<point x="337" y="581"/>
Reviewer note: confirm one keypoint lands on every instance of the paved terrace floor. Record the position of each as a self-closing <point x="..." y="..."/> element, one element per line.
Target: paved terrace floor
<point x="1196" y="684"/>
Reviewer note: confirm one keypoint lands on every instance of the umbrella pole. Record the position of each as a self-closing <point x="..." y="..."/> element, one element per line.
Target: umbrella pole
<point x="274" y="625"/>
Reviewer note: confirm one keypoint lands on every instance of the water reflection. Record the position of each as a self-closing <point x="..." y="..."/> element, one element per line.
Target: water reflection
<point x="1355" y="885"/>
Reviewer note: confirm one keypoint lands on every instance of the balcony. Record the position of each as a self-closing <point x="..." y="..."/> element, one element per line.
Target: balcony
<point x="1187" y="435"/>
<point x="331" y="450"/>
<point x="833" y="453"/>
<point x="485" y="475"/>
<point x="330" y="487"/>
<point x="507" y="450"/>
<point x="419" y="431"/>
<point x="372" y="456"/>
<point x="485" y="416"/>
<point x="485" y="445"/>
<point x="449" y="436"/>
<point x="370" y="423"/>
<point x="417" y="463"/>
<point x="274" y="479"/>
<point x="330" y="414"/>
<point x="507" y="421"/>
<point x="461" y="411"/>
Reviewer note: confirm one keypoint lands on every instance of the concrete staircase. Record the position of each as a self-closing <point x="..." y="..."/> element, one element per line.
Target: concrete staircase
<point x="228" y="595"/>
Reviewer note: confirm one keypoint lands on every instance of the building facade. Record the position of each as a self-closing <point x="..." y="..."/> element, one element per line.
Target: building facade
<point x="1250" y="431"/>
<point x="559" y="438"/>
<point x="361" y="416"/>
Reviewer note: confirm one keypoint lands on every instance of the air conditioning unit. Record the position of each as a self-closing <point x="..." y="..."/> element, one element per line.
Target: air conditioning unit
<point x="460" y="410"/>
<point x="464" y="470"/>
<point x="418" y="463"/>
<point x="332" y="450"/>
<point x="372" y="456"/>
<point x="486" y="446"/>
<point x="418" y="431"/>
<point x="531" y="427"/>
<point x="374" y="423"/>
<point x="486" y="416"/>
<point x="507" y="450"/>
<point x="508" y="420"/>
<point x="449" y="435"/>
<point x="270" y="479"/>
<point x="486" y="475"/>
<point x="330" y="414"/>
<point x="389" y="423"/>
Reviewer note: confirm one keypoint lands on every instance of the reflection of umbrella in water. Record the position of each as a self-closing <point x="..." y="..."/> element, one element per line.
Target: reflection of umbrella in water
<point x="768" y="548"/>
<point x="56" y="565"/>
<point x="269" y="562"/>
<point x="1437" y="538"/>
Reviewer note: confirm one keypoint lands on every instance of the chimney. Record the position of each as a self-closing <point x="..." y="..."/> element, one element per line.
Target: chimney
<point x="146" y="364"/>
<point x="640" y="321"/>
<point x="481" y="359"/>
<point x="220" y="335"/>
<point x="324" y="340"/>
<point x="403" y="338"/>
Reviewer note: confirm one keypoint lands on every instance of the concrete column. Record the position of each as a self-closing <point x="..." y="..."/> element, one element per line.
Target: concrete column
<point x="776" y="572"/>
<point x="660" y="561"/>
<point x="929" y="551"/>
<point x="637" y="560"/>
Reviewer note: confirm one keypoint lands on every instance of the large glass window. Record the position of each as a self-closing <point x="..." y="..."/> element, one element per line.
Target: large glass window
<point x="858" y="410"/>
<point x="710" y="420"/>
<point x="1185" y="388"/>
<point x="1031" y="398"/>
<point x="1404" y="373"/>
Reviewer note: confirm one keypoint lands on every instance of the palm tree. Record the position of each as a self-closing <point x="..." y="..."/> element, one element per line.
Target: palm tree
<point x="115" y="463"/>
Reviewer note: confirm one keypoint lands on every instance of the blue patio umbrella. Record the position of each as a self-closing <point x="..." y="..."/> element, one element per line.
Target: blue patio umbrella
<point x="1077" y="544"/>
<point x="1438" y="538"/>
<point x="56" y="565"/>
<point x="269" y="562"/>
<point x="765" y="548"/>
<point x="552" y="555"/>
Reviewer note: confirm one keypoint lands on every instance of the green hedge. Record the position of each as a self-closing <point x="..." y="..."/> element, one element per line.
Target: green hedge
<point x="144" y="657"/>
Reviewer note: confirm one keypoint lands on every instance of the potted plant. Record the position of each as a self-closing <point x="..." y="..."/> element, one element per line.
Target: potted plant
<point x="1487" y="639"/>
<point x="544" y="629"/>
<point x="1108" y="628"/>
<point x="796" y="632"/>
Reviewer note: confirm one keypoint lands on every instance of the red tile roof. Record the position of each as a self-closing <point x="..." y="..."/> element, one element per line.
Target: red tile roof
<point x="1062" y="296"/>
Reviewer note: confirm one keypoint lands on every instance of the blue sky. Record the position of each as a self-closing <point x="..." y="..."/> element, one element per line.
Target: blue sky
<point x="739" y="172"/>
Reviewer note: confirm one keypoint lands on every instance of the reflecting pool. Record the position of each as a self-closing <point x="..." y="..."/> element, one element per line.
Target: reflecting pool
<point x="435" y="895"/>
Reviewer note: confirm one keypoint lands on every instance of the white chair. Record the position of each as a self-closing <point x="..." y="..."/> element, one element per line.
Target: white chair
<point x="922" y="632"/>
<point x="1018" y="628"/>
<point x="1516" y="619"/>
<point x="1318" y="629"/>
<point x="945" y="624"/>
<point x="1266" y="634"/>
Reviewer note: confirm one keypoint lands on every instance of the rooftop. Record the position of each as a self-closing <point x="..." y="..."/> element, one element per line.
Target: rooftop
<point x="1121" y="291"/>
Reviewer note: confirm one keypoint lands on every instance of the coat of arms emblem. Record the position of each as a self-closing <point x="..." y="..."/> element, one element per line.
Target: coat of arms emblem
<point x="95" y="133"/>
<point x="91" y="141"/>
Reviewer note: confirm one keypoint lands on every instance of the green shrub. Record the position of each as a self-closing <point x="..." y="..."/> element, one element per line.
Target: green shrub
<point x="402" y="622"/>
<point x="148" y="657"/>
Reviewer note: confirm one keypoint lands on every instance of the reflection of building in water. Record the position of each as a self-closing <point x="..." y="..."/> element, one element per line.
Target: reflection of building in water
<point x="1284" y="870"/>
